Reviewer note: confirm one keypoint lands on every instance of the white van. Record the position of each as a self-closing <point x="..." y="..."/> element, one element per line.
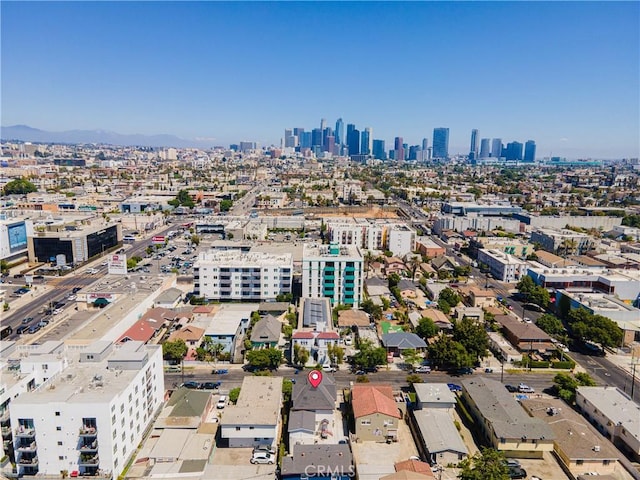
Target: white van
<point x="222" y="402"/>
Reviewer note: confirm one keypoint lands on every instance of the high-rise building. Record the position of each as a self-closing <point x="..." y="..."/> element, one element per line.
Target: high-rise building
<point x="235" y="275"/>
<point x="316" y="138"/>
<point x="496" y="148"/>
<point x="379" y="150"/>
<point x="425" y="144"/>
<point x="440" y="142"/>
<point x="513" y="151"/>
<point x="332" y="271"/>
<point x="530" y="151"/>
<point x="413" y="152"/>
<point x="399" y="149"/>
<point x="323" y="124"/>
<point x="330" y="144"/>
<point x="485" y="148"/>
<point x="289" y="139"/>
<point x="339" y="132"/>
<point x="306" y="139"/>
<point x="473" y="148"/>
<point x="353" y="140"/>
<point x="365" y="142"/>
<point x="326" y="133"/>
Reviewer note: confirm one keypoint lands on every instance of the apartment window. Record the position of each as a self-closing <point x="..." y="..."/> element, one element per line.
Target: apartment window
<point x="115" y="448"/>
<point x="365" y="422"/>
<point x="122" y="408"/>
<point x="59" y="443"/>
<point x="114" y="434"/>
<point x="45" y="366"/>
<point x="115" y="462"/>
<point x="123" y="436"/>
<point x="57" y="414"/>
<point x="251" y="428"/>
<point x="60" y="457"/>
<point x="237" y="429"/>
<point x="58" y="429"/>
<point x="579" y="462"/>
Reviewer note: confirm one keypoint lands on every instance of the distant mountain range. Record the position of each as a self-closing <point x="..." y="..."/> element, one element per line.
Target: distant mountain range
<point x="29" y="134"/>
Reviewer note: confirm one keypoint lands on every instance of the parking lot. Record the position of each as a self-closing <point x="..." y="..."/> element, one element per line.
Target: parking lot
<point x="235" y="463"/>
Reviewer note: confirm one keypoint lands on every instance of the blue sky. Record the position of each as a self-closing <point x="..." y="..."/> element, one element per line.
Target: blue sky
<point x="563" y="74"/>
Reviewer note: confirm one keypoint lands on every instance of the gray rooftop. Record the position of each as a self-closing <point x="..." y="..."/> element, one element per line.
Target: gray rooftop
<point x="500" y="408"/>
<point x="333" y="458"/>
<point x="266" y="329"/>
<point x="434" y="393"/>
<point x="403" y="340"/>
<point x="305" y="397"/>
<point x="170" y="295"/>
<point x="314" y="311"/>
<point x="258" y="404"/>
<point x="302" y="420"/>
<point x="438" y="431"/>
<point x="615" y="405"/>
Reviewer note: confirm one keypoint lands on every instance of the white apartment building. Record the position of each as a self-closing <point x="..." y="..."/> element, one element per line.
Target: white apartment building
<point x="246" y="276"/>
<point x="255" y="418"/>
<point x="503" y="267"/>
<point x="613" y="413"/>
<point x="332" y="271"/>
<point x="562" y="241"/>
<point x="402" y="240"/>
<point x="89" y="418"/>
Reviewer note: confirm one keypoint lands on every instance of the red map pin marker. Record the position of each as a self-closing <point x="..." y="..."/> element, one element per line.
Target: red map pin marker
<point x="315" y="378"/>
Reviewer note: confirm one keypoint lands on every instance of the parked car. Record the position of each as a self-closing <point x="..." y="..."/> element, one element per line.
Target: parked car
<point x="328" y="368"/>
<point x="33" y="328"/>
<point x="22" y="329"/>
<point x="454" y="387"/>
<point x="511" y="388"/>
<point x="76" y="289"/>
<point x="423" y="369"/>
<point x="263" y="457"/>
<point x="464" y="371"/>
<point x="264" y="448"/>
<point x="222" y="402"/>
<point x="27" y="320"/>
<point x="522" y="388"/>
<point x="517" y="472"/>
<point x="210" y="385"/>
<point x="43" y="323"/>
<point x="191" y="384"/>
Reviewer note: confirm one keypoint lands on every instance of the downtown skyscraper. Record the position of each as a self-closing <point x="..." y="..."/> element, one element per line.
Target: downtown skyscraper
<point x="339" y="133"/>
<point x="440" y="143"/>
<point x="398" y="149"/>
<point x="530" y="151"/>
<point x="473" y="148"/>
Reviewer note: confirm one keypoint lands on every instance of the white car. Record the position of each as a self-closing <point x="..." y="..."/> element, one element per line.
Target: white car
<point x="522" y="388"/>
<point x="423" y="369"/>
<point x="222" y="402"/>
<point x="328" y="368"/>
<point x="263" y="457"/>
<point x="92" y="271"/>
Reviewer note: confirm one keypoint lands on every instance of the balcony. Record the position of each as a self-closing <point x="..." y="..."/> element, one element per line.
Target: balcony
<point x="6" y="432"/>
<point x="90" y="447"/>
<point x="25" y="432"/>
<point x="88" y="431"/>
<point x="28" y="461"/>
<point x="27" y="447"/>
<point x="88" y="460"/>
<point x="4" y="415"/>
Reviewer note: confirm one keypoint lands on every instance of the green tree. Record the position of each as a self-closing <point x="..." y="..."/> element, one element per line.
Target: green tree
<point x="445" y="352"/>
<point x="488" y="464"/>
<point x="540" y="296"/>
<point x="427" y="328"/>
<point x="374" y="310"/>
<point x="19" y="186"/>
<point x="369" y="356"/>
<point x="565" y="385"/>
<point x="393" y="279"/>
<point x="300" y="355"/>
<point x="182" y="199"/>
<point x="595" y="328"/>
<point x="195" y="239"/>
<point x="413" y="378"/>
<point x="411" y="356"/>
<point x="472" y="336"/>
<point x="444" y="306"/>
<point x="450" y="296"/>
<point x="287" y="390"/>
<point x="525" y="285"/>
<point x="234" y="393"/>
<point x="266" y="358"/>
<point x="4" y="266"/>
<point x="550" y="324"/>
<point x="175" y="350"/>
<point x="284" y="297"/>
<point x="225" y="205"/>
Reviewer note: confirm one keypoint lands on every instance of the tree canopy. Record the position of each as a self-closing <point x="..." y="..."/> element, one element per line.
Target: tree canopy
<point x="446" y="352"/>
<point x="427" y="328"/>
<point x="175" y="350"/>
<point x="19" y="186"/>
<point x="594" y="328"/>
<point x="565" y="385"/>
<point x="182" y="199"/>
<point x="550" y="324"/>
<point x="472" y="336"/>
<point x="266" y="358"/>
<point x="488" y="464"/>
<point x="533" y="293"/>
<point x="369" y="356"/>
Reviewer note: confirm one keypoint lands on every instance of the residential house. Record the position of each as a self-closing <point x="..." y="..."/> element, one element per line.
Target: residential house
<point x="614" y="414"/>
<point x="408" y="468"/>
<point x="393" y="265"/>
<point x="311" y="419"/>
<point x="525" y="336"/>
<point x="191" y="335"/>
<point x="325" y="461"/>
<point x="410" y="474"/>
<point x="439" y="318"/>
<point x="396" y="342"/>
<point x="376" y="413"/>
<point x="407" y="288"/>
<point x="266" y="332"/>
<point x="502" y="422"/>
<point x="169" y="298"/>
<point x="440" y="441"/>
<point x="480" y="297"/>
<point x="255" y="418"/>
<point x="141" y="331"/>
<point x="434" y="395"/>
<point x="350" y="318"/>
<point x="444" y="262"/>
<point x="315" y="332"/>
<point x="577" y="444"/>
<point x="186" y="408"/>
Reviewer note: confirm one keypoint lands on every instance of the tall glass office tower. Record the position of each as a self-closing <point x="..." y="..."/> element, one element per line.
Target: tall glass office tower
<point x="440" y="142"/>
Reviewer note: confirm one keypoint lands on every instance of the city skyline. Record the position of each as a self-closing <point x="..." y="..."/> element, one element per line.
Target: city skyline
<point x="227" y="73"/>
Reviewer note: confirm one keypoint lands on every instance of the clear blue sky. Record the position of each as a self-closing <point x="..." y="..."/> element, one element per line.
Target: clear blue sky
<point x="563" y="74"/>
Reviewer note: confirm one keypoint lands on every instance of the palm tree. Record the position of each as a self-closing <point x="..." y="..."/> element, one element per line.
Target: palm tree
<point x="414" y="264"/>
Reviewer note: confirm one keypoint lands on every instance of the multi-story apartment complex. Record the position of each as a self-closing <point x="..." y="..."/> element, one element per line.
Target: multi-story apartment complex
<point x="332" y="271"/>
<point x="402" y="240"/>
<point x="371" y="234"/>
<point x="237" y="275"/>
<point x="562" y="241"/>
<point x="90" y="417"/>
<point x="503" y="266"/>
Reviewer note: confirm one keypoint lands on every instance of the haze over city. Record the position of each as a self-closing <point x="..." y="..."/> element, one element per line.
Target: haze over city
<point x="565" y="73"/>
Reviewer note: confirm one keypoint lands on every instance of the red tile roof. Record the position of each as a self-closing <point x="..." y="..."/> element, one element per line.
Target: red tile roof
<point x="202" y="309"/>
<point x="370" y="399"/>
<point x="142" y="331"/>
<point x="328" y="335"/>
<point x="414" y="466"/>
<point x="303" y="335"/>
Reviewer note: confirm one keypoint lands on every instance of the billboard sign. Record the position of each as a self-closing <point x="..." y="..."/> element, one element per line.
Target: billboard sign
<point x="118" y="264"/>
<point x="17" y="236"/>
<point x="158" y="240"/>
<point x="94" y="296"/>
